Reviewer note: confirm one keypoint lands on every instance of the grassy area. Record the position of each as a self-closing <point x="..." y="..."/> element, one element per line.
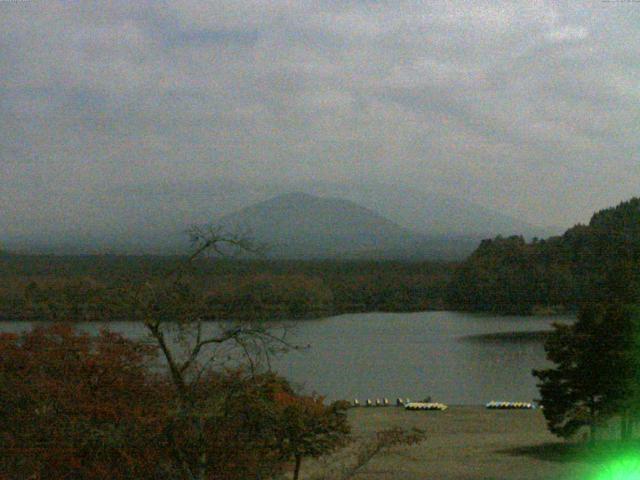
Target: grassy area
<point x="471" y="443"/>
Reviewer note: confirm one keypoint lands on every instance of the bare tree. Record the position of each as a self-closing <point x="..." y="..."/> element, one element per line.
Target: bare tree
<point x="175" y="304"/>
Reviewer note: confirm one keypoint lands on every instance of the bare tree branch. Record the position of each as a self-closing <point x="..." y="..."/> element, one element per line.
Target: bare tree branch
<point x="173" y="301"/>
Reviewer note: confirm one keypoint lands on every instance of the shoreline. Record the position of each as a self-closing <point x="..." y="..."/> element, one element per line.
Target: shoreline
<point x="9" y="317"/>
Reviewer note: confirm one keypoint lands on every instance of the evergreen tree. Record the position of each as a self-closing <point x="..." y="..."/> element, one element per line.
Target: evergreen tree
<point x="596" y="372"/>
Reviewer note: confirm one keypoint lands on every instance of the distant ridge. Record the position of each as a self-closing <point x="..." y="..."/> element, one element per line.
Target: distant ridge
<point x="430" y="212"/>
<point x="300" y="225"/>
<point x="153" y="218"/>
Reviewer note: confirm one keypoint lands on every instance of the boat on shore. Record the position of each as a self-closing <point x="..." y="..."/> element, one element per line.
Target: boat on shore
<point x="426" y="406"/>
<point x="494" y="405"/>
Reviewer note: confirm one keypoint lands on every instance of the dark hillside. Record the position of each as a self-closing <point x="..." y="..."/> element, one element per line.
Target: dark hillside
<point x="586" y="264"/>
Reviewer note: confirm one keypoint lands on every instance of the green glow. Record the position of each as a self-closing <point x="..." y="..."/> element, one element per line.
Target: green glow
<point x="623" y="468"/>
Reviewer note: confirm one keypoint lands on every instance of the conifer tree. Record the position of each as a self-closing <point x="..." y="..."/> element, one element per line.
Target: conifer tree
<point x="596" y="370"/>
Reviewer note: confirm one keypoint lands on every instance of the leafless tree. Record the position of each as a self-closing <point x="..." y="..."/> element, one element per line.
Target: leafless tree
<point x="174" y="304"/>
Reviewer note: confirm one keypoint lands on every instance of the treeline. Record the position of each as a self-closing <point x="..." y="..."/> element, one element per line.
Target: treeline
<point x="87" y="288"/>
<point x="510" y="275"/>
<point x="503" y="275"/>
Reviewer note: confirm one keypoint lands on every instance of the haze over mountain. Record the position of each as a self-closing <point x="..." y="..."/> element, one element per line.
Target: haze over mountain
<point x="431" y="212"/>
<point x="299" y="225"/>
<point x="153" y="218"/>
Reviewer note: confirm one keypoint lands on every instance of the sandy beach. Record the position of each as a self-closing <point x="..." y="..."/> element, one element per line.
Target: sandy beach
<point x="469" y="443"/>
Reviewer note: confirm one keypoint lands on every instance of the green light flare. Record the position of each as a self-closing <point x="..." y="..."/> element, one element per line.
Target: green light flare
<point x="626" y="467"/>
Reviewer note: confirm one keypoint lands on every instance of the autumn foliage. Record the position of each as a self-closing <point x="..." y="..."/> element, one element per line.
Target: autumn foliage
<point x="75" y="406"/>
<point x="308" y="428"/>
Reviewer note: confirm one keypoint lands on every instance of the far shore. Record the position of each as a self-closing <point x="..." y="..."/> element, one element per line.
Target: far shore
<point x="10" y="317"/>
<point x="526" y="336"/>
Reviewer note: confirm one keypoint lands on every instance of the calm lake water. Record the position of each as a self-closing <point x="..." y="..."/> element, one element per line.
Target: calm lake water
<point x="450" y="356"/>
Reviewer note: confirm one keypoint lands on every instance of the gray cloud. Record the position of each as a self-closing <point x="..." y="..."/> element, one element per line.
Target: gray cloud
<point x="528" y="108"/>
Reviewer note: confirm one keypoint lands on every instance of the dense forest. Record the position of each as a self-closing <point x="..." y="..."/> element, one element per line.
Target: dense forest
<point x="91" y="287"/>
<point x="503" y="275"/>
<point x="510" y="275"/>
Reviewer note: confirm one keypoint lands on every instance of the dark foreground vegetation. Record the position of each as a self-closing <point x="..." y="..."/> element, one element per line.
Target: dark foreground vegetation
<point x="88" y="287"/>
<point x="93" y="408"/>
<point x="74" y="406"/>
<point x="596" y="372"/>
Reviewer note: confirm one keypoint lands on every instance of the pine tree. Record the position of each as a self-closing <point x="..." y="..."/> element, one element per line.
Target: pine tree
<point x="596" y="372"/>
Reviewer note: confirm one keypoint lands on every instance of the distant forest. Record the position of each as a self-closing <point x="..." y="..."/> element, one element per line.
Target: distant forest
<point x="509" y="275"/>
<point x="91" y="287"/>
<point x="503" y="275"/>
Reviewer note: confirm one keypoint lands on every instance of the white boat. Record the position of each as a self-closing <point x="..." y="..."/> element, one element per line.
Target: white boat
<point x="425" y="406"/>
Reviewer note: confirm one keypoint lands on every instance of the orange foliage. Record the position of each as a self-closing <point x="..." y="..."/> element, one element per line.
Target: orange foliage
<point x="75" y="406"/>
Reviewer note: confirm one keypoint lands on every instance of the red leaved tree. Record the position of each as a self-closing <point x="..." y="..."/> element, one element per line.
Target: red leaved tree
<point x="79" y="406"/>
<point x="309" y="428"/>
<point x="75" y="406"/>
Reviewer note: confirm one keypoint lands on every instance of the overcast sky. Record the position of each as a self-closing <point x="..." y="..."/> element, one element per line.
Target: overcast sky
<point x="528" y="107"/>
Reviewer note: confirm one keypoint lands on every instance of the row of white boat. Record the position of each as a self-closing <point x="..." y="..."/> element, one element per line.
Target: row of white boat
<point x="403" y="402"/>
<point x="400" y="402"/>
<point x="510" y="405"/>
<point x="425" y="406"/>
<point x="428" y="405"/>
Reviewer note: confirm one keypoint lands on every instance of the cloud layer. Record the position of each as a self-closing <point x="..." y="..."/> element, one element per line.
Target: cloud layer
<point x="530" y="108"/>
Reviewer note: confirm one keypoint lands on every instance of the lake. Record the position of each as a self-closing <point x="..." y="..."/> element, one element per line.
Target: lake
<point x="456" y="358"/>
